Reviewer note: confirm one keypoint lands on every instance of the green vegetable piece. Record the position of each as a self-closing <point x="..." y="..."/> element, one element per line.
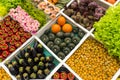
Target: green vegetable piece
<point x="57" y="41"/>
<point x="50" y="44"/>
<point x="66" y="50"/>
<point x="75" y="40"/>
<point x="55" y="48"/>
<point x="67" y="40"/>
<point x="51" y="36"/>
<point x="61" y="55"/>
<point x="44" y="38"/>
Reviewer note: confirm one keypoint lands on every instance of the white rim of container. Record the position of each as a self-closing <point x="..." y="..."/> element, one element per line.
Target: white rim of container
<point x="61" y="62"/>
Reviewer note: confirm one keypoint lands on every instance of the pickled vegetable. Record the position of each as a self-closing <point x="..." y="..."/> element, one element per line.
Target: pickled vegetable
<point x="92" y="62"/>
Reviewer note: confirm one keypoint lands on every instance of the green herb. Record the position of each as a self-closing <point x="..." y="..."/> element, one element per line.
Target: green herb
<point x="107" y="30"/>
<point x="6" y="5"/>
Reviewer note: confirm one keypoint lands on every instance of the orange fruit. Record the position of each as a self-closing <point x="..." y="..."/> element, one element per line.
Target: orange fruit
<point x="55" y="28"/>
<point x="67" y="28"/>
<point x="111" y="1"/>
<point x="61" y="20"/>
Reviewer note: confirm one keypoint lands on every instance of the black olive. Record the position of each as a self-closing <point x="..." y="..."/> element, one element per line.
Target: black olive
<point x="19" y="77"/>
<point x="28" y="69"/>
<point x="46" y="71"/>
<point x="25" y="76"/>
<point x="49" y="58"/>
<point x="39" y="48"/>
<point x="40" y="74"/>
<point x="41" y="65"/>
<point x="33" y="76"/>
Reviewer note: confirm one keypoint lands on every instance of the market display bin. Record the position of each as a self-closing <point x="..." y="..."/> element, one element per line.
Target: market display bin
<point x="46" y="35"/>
<point x="28" y="59"/>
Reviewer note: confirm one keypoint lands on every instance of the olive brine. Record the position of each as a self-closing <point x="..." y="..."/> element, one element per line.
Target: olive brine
<point x="31" y="63"/>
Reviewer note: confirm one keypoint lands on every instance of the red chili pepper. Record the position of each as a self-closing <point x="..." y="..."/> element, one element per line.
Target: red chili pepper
<point x="63" y="75"/>
<point x="12" y="42"/>
<point x="13" y="37"/>
<point x="21" y="33"/>
<point x="3" y="27"/>
<point x="4" y="47"/>
<point x="5" y="54"/>
<point x="1" y="38"/>
<point x="5" y="35"/>
<point x="56" y="76"/>
<point x="12" y="48"/>
<point x="71" y="76"/>
<point x="2" y="42"/>
<point x="11" y="26"/>
<point x="27" y="35"/>
<point x="18" y="44"/>
<point x="7" y="29"/>
<point x="21" y="29"/>
<point x="15" y="30"/>
<point x="10" y="33"/>
<point x="23" y="39"/>
<point x="8" y="39"/>
<point x="2" y="31"/>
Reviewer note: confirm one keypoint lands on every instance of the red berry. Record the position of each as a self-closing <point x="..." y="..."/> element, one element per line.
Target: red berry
<point x="11" y="48"/>
<point x="4" y="47"/>
<point x="5" y="54"/>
